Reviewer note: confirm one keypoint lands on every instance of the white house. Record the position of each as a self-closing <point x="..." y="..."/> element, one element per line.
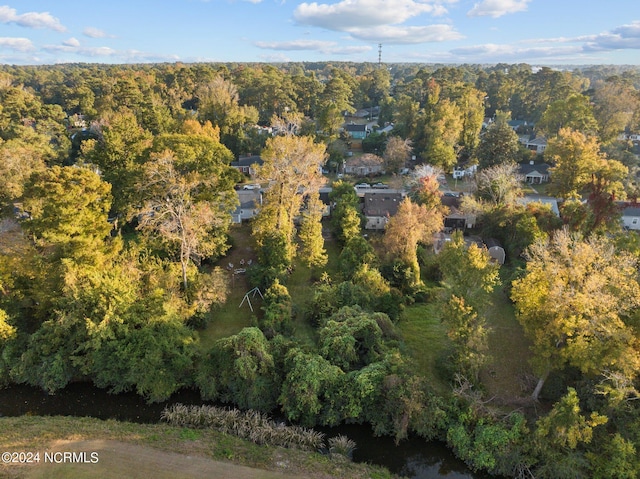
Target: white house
<point x="460" y="172"/>
<point x="631" y="217"/>
<point x="250" y="202"/>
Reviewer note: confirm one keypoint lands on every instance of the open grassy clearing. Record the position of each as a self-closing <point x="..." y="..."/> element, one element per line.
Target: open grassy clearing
<point x="159" y="451"/>
<point x="230" y="318"/>
<point x="504" y="376"/>
<point x="426" y="340"/>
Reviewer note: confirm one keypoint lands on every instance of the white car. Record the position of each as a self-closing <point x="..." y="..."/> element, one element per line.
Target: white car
<point x="363" y="185"/>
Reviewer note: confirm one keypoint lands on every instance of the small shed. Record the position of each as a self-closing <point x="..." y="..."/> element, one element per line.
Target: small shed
<point x="496" y="251"/>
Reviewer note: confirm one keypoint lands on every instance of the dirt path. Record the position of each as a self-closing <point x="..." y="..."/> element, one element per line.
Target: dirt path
<point x="123" y="460"/>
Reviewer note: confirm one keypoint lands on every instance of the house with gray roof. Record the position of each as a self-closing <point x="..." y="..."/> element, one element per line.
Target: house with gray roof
<point x="534" y="173"/>
<point x="631" y="217"/>
<point x="250" y="203"/>
<point x="247" y="164"/>
<point x="378" y="207"/>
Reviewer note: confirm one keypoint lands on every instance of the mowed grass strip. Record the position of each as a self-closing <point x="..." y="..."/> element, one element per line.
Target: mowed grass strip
<point x="154" y="450"/>
<point x="426" y="340"/>
<point x="509" y="351"/>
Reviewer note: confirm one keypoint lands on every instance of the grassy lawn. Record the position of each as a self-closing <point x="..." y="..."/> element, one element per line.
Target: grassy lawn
<point x="509" y="351"/>
<point x="159" y="451"/>
<point x="425" y="338"/>
<point x="230" y="318"/>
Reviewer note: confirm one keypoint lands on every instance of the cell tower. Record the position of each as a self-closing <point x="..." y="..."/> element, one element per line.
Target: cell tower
<point x="379" y="54"/>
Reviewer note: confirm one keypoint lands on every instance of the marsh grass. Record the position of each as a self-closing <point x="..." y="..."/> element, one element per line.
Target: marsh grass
<point x="251" y="425"/>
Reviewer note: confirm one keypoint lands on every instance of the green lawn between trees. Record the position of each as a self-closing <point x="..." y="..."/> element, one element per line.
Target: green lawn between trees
<point x="423" y="333"/>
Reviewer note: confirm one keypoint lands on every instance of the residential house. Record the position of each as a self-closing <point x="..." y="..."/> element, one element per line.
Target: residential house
<point x="631" y="217"/>
<point x="357" y="132"/>
<point x="460" y="172"/>
<point x="378" y="207"/>
<point x="517" y="125"/>
<point x="247" y="164"/>
<point x="250" y="203"/>
<point x="534" y="173"/>
<point x="537" y="144"/>
<point x="364" y="165"/>
<point x="324" y="192"/>
<point x="552" y="203"/>
<point x="455" y="219"/>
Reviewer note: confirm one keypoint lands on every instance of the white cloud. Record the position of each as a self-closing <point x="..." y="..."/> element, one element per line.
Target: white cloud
<point x="16" y="43"/>
<point x="313" y="45"/>
<point x="72" y="42"/>
<point x="407" y="35"/>
<point x="497" y="8"/>
<point x="30" y="19"/>
<point x="78" y="50"/>
<point x="93" y="32"/>
<point x="625" y="37"/>
<point x="349" y="14"/>
<point x="295" y="45"/>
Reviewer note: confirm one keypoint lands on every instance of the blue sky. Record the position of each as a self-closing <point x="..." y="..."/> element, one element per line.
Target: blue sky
<point x="538" y="32"/>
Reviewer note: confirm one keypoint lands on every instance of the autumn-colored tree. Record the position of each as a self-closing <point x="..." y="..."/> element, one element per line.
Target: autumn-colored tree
<point x="183" y="210"/>
<point x="574" y="156"/>
<point x="292" y="166"/>
<point x="411" y="225"/>
<point x="574" y="303"/>
<point x="396" y="152"/>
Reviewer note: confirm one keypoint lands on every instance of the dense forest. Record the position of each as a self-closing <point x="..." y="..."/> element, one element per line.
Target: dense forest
<point x="116" y="233"/>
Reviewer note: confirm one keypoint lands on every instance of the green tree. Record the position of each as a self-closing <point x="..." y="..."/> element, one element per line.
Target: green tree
<point x="574" y="112"/>
<point x="310" y="233"/>
<point x="498" y="145"/>
<point x="443" y="129"/>
<point x="565" y="426"/>
<point x="310" y="385"/>
<point x="468" y="277"/>
<point x="241" y="369"/>
<point x="68" y="209"/>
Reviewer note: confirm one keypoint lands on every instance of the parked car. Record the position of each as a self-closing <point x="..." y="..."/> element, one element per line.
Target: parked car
<point x="380" y="186"/>
<point x="363" y="185"/>
<point x="251" y="187"/>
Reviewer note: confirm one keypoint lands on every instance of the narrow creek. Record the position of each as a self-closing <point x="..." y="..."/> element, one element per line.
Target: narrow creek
<point x="413" y="458"/>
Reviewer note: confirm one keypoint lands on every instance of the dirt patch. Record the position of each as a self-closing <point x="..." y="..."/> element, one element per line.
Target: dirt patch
<point x="118" y="459"/>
